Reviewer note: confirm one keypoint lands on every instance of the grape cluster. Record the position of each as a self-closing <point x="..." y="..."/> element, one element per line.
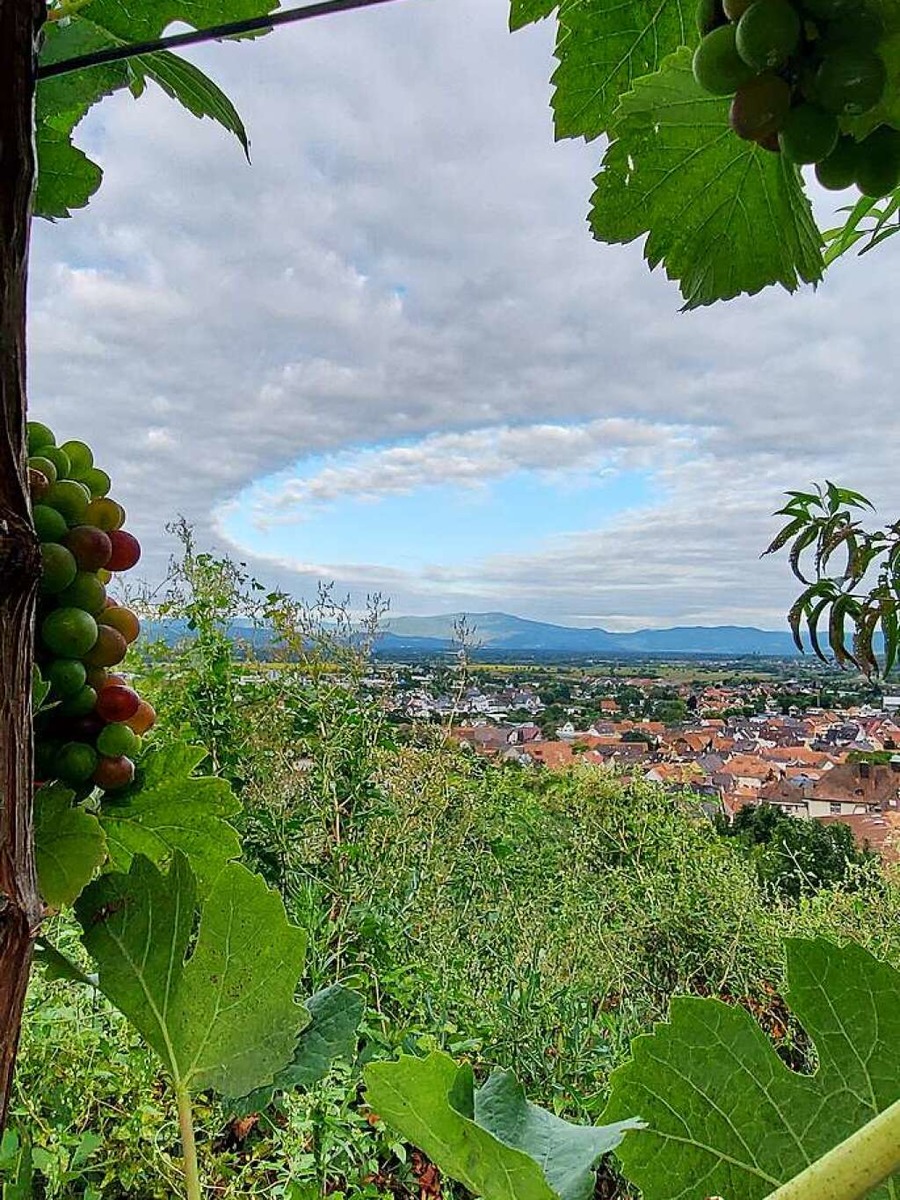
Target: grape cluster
<point x="91" y="729"/>
<point x="797" y="70"/>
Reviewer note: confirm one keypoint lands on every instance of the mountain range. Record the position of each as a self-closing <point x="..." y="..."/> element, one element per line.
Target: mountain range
<point x="498" y="632"/>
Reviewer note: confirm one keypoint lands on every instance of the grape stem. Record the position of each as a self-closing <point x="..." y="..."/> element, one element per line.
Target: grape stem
<point x="855" y="1167"/>
<point x="188" y="1143"/>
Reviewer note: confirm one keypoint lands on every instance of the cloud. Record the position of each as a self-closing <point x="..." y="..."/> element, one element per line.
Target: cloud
<point x="403" y="285"/>
<point x="471" y="460"/>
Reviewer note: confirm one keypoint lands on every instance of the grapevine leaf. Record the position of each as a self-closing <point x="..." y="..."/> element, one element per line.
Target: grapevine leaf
<point x="335" y="1014"/>
<point x="724" y="216"/>
<point x="148" y="20"/>
<point x="490" y="1139"/>
<point x="226" y="1018"/>
<point x="186" y="83"/>
<point x="66" y="177"/>
<point x="725" y="1116"/>
<point x="604" y="49"/>
<point x="69" y="845"/>
<point x="526" y="12"/>
<point x="170" y="809"/>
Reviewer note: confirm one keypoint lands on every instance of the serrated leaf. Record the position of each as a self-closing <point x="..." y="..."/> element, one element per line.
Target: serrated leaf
<point x="725" y="1116"/>
<point x="171" y="809"/>
<point x="69" y="845"/>
<point x="66" y="177"/>
<point x="197" y="93"/>
<point x="604" y="49"/>
<point x="722" y="216"/>
<point x="334" y="1017"/>
<point x="490" y="1139"/>
<point x="526" y="12"/>
<point x="226" y="1017"/>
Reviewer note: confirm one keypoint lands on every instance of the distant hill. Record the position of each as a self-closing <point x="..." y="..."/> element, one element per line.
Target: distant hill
<point x="496" y="631"/>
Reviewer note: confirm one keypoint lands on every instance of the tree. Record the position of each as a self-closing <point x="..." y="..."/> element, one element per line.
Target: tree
<point x="20" y="906"/>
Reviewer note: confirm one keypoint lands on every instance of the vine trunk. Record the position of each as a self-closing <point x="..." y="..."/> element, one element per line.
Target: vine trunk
<point x="20" y="905"/>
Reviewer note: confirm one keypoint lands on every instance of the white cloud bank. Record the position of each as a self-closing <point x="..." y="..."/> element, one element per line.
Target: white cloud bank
<point x="406" y="264"/>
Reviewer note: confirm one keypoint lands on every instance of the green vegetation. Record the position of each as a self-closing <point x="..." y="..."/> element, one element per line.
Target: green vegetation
<point x="511" y="918"/>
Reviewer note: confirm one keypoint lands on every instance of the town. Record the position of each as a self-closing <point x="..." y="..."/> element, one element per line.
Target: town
<point x="813" y="742"/>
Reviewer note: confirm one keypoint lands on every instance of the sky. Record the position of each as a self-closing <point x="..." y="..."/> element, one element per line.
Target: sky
<point x="389" y="354"/>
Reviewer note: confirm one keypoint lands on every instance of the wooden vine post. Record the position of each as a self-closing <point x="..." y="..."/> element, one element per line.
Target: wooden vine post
<point x="20" y="905"/>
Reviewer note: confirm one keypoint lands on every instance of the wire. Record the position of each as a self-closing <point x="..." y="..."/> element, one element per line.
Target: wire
<point x="213" y="33"/>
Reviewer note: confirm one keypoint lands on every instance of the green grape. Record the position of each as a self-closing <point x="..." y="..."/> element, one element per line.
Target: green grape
<point x="709" y="15"/>
<point x="69" y="632"/>
<point x="60" y="460"/>
<point x="117" y="740"/>
<point x="85" y="591"/>
<point x="768" y="34"/>
<point x="39" y="436"/>
<point x="66" y="676"/>
<point x="58" y="568"/>
<point x="850" y="81"/>
<point x="80" y="704"/>
<point x="105" y="514"/>
<point x="878" y="162"/>
<point x="80" y="456"/>
<point x="862" y="30"/>
<point x="98" y="482"/>
<point x="760" y="107"/>
<point x="838" y="170"/>
<point x="735" y="9"/>
<point x="70" y="498"/>
<point x="809" y="134"/>
<point x="718" y="68"/>
<point x="49" y="524"/>
<point x="46" y="466"/>
<point x="76" y="762"/>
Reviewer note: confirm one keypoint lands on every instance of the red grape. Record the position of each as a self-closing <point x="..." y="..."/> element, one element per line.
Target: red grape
<point x="113" y="773"/>
<point x="117" y="703"/>
<point x="109" y="648"/>
<point x="126" y="550"/>
<point x="90" y="545"/>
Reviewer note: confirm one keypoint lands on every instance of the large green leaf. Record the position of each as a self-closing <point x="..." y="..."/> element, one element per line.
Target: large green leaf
<point x="66" y="177"/>
<point x="723" y="216"/>
<point x="490" y="1139"/>
<point x="172" y="809"/>
<point x="69" y="845"/>
<point x="603" y="49"/>
<point x="226" y="1017"/>
<point x="334" y="1017"/>
<point x="725" y="1116"/>
<point x="186" y="83"/>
